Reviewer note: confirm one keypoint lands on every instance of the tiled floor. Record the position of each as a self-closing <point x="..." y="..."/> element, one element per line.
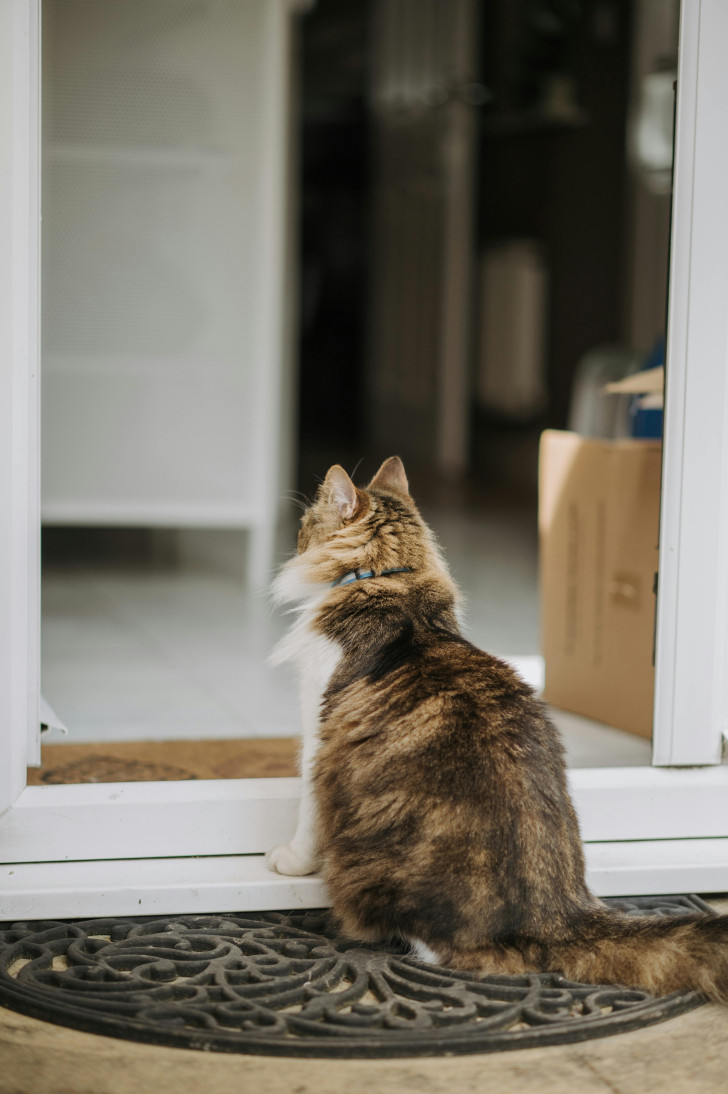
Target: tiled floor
<point x="161" y="654"/>
<point x="135" y="656"/>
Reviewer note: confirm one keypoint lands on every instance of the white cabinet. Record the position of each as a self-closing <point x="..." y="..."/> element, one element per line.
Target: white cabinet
<point x="165" y="174"/>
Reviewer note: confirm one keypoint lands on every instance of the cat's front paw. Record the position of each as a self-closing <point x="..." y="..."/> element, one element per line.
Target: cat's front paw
<point x="285" y="859"/>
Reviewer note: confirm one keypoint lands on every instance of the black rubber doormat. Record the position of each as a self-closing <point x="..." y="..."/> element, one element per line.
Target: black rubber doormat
<point x="277" y="983"/>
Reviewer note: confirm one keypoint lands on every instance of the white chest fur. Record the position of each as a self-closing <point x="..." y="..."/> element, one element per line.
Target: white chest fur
<point x="316" y="666"/>
<point x="315" y="658"/>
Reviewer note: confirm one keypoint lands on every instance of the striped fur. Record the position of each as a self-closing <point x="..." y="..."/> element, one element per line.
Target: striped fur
<point x="440" y="811"/>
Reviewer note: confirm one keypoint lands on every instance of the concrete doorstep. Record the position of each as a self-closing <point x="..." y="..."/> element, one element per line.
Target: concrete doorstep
<point x="689" y="1053"/>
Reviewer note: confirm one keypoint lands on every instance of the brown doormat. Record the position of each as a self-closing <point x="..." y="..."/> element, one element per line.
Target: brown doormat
<point x="146" y="761"/>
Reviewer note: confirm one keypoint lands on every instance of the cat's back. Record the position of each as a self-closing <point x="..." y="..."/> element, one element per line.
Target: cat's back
<point x="433" y="754"/>
<point x="410" y="687"/>
<point x="405" y="655"/>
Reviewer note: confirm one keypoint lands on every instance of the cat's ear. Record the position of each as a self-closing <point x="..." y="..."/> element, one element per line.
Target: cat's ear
<point x="391" y="476"/>
<point x="342" y="492"/>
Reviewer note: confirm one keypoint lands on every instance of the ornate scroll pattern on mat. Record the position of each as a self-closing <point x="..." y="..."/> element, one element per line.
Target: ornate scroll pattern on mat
<point x="285" y="984"/>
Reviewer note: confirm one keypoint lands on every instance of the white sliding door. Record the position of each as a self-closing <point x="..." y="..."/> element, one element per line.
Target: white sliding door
<point x="646" y="829"/>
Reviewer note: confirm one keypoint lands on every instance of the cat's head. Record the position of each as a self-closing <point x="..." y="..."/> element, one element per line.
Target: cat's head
<point x="348" y="528"/>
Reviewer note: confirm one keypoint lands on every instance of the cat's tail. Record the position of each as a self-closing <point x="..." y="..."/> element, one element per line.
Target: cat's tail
<point x="660" y="954"/>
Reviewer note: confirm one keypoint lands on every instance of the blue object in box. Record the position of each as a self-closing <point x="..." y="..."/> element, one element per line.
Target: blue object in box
<point x="647" y="422"/>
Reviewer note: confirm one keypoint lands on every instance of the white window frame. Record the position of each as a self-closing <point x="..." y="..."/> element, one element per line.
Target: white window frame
<point x="197" y="846"/>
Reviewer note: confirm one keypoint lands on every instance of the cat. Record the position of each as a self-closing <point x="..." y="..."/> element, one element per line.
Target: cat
<point x="434" y="795"/>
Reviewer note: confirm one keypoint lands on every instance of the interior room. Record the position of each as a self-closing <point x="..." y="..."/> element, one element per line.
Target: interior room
<point x="476" y="244"/>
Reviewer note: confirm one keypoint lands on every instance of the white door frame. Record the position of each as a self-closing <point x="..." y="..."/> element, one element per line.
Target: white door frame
<point x="19" y="402"/>
<point x="691" y="697"/>
<point x="119" y="848"/>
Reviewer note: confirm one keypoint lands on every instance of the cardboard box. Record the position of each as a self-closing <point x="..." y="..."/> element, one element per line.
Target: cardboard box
<point x="599" y="504"/>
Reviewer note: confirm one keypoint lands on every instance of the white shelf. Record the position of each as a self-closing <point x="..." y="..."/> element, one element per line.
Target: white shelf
<point x="156" y="514"/>
<point x="169" y="368"/>
<point x="137" y="156"/>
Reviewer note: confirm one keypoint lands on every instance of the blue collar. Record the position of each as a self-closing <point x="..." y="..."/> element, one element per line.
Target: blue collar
<point x="359" y="575"/>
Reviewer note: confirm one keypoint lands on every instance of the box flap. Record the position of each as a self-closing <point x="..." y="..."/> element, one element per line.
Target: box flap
<point x="649" y="382"/>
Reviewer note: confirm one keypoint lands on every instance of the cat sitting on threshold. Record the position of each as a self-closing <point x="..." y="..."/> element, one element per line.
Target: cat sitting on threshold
<point x="434" y="798"/>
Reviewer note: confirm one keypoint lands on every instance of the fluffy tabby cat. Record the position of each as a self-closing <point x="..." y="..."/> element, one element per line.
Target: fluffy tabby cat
<point x="434" y="793"/>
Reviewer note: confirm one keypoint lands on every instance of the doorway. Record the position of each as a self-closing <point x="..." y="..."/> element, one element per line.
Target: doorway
<point x="154" y="633"/>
